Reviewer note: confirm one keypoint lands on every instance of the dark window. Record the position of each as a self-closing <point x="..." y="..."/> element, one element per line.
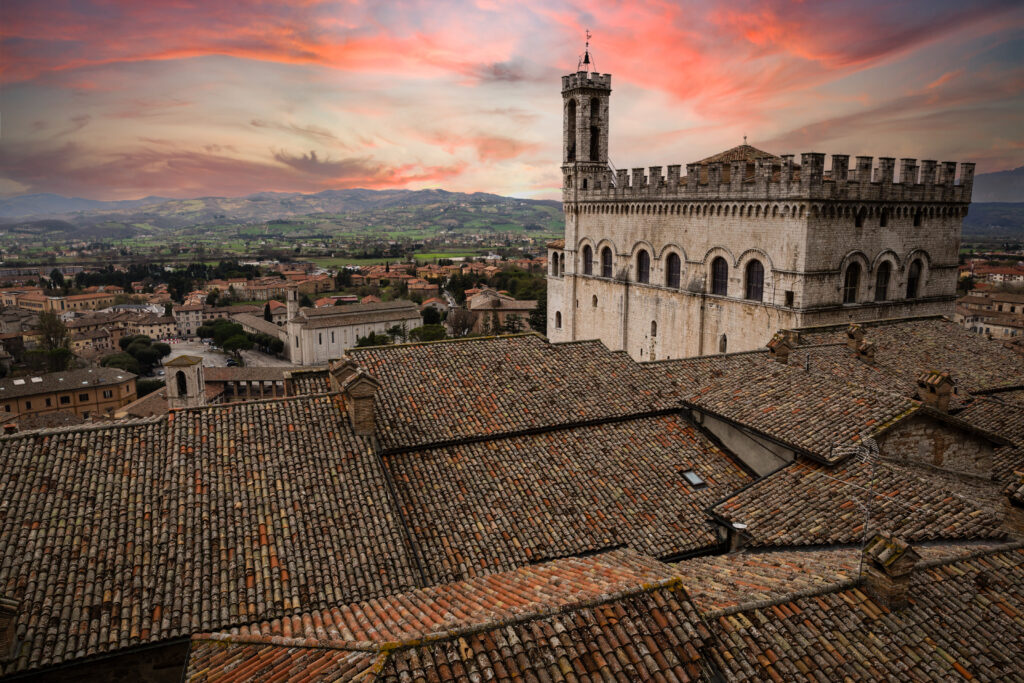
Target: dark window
<point x="913" y="279"/>
<point x="918" y="215"/>
<point x="83" y="397"/>
<point x="107" y="393"/>
<point x="606" y="262"/>
<point x="858" y="220"/>
<point x="672" y="271"/>
<point x="595" y="129"/>
<point x="558" y="320"/>
<point x="48" y="403"/>
<point x="182" y="384"/>
<point x="7" y="407"/>
<point x="593" y="301"/>
<point x="850" y="283"/>
<point x="789" y="298"/>
<point x="755" y="281"/>
<point x="883" y="219"/>
<point x="719" y="276"/>
<point x="882" y="281"/>
<point x="570" y="115"/>
<point x="588" y="260"/>
<point x="554" y="264"/>
<point x="643" y="266"/>
<point x="28" y="405"/>
<point x="64" y="400"/>
<point x="723" y="344"/>
<point x="654" y="328"/>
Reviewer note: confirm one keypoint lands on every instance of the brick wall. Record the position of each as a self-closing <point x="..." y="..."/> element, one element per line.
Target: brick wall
<point x="925" y="440"/>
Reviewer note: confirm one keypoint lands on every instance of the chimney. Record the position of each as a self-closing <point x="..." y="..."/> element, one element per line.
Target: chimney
<point x="359" y="390"/>
<point x="779" y="347"/>
<point x="866" y="352"/>
<point x="854" y="336"/>
<point x="340" y="371"/>
<point x="934" y="389"/>
<point x="8" y="614"/>
<point x="887" y="564"/>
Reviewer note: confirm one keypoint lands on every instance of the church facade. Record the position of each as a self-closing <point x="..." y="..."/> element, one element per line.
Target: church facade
<point x="665" y="264"/>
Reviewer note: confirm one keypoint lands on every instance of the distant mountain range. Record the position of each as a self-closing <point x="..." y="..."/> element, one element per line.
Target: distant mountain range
<point x="260" y="206"/>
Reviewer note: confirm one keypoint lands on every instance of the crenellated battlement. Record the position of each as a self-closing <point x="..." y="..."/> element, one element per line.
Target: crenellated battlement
<point x="782" y="178"/>
<point x="584" y="79"/>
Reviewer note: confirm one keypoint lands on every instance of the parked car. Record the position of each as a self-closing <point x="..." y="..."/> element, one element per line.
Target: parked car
<point x="232" y="363"/>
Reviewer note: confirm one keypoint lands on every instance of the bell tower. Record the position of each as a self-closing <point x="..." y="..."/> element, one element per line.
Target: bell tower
<point x="585" y="97"/>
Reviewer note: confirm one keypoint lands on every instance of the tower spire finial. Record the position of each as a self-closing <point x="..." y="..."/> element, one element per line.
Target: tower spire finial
<point x="585" y="64"/>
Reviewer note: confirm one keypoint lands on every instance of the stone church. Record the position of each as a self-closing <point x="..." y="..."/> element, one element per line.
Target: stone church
<point x="666" y="265"/>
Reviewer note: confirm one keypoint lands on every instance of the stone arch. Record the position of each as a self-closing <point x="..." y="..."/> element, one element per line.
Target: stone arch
<point x="757" y="253"/>
<point x="181" y="383"/>
<point x="885" y="254"/>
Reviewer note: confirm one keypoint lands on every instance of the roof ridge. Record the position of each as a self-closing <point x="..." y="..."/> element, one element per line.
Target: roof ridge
<point x="269" y="399"/>
<point x="853" y="583"/>
<point x="403" y="345"/>
<point x="90" y="427"/>
<point x="386" y="647"/>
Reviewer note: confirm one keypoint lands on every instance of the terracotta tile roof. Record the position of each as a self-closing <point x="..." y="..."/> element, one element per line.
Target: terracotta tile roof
<point x="807" y="411"/>
<point x="616" y="615"/>
<point x="722" y="582"/>
<point x="309" y="381"/>
<point x="963" y="621"/>
<point x="742" y="152"/>
<point x="806" y="503"/>
<point x="494" y="505"/>
<point x="69" y="380"/>
<point x="447" y="391"/>
<point x="995" y="414"/>
<point x="238" y="660"/>
<point x="1015" y="487"/>
<point x="114" y="537"/>
<point x="907" y="348"/>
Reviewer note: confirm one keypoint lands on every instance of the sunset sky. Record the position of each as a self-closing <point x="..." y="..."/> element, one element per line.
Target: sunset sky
<point x="118" y="99"/>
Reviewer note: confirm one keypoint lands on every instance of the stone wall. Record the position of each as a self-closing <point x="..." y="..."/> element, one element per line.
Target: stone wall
<point x="924" y="440"/>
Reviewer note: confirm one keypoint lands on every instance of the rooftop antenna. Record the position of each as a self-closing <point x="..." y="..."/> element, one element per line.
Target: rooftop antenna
<point x="744" y="139"/>
<point x="585" y="64"/>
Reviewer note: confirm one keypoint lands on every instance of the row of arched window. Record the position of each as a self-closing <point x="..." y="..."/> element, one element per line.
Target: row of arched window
<point x="753" y="275"/>
<point x="883" y="281"/>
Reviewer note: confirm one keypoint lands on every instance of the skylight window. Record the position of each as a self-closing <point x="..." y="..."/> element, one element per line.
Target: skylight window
<point x="37" y="379"/>
<point x="693" y="479"/>
<point x="19" y="382"/>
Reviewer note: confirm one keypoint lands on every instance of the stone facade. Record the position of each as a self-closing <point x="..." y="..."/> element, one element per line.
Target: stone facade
<point x="793" y="245"/>
<point x="924" y="440"/>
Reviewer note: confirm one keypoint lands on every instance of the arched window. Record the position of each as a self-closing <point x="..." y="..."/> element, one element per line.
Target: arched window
<point x="883" y="219"/>
<point x="858" y="219"/>
<point x="719" y="276"/>
<point x="561" y="264"/>
<point x="593" y="301"/>
<point x="595" y="129"/>
<point x="554" y="264"/>
<point x="182" y="383"/>
<point x="850" y="283"/>
<point x="654" y="328"/>
<point x="643" y="266"/>
<point x="570" y="144"/>
<point x="755" y="281"/>
<point x="723" y="344"/>
<point x="882" y="281"/>
<point x="558" y="320"/>
<point x="606" y="262"/>
<point x="588" y="260"/>
<point x="672" y="270"/>
<point x="914" y="279"/>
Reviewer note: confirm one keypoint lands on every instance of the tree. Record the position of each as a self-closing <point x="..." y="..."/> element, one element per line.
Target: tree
<point x="514" y="324"/>
<point x="49" y="360"/>
<point x="398" y="332"/>
<point x="305" y="301"/>
<point x="52" y="331"/>
<point x="57" y="279"/>
<point x="211" y="298"/>
<point x="372" y="339"/>
<point x="539" y="317"/>
<point x="428" y="333"/>
<point x="237" y="343"/>
<point x="431" y="316"/>
<point x="267" y="315"/>
<point x="124" y="361"/>
<point x="147" y="386"/>
<point x="162" y="348"/>
<point x="460" y="321"/>
<point x="168" y="309"/>
<point x="343" y="279"/>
